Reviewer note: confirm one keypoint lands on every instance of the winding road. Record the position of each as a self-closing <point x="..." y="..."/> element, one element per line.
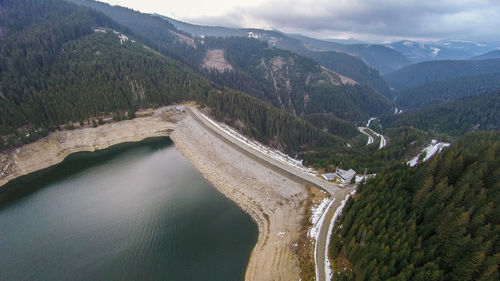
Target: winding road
<point x="369" y="132"/>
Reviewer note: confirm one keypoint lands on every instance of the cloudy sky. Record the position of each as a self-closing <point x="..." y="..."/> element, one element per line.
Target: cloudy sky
<point x="371" y="20"/>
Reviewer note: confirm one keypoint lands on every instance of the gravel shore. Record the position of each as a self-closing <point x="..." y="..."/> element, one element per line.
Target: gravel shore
<point x="275" y="202"/>
<point x="58" y="145"/>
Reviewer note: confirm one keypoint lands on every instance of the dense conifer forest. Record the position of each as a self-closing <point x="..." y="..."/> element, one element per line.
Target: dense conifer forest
<point x="55" y="68"/>
<point x="354" y="68"/>
<point x="438" y="221"/>
<point x="448" y="90"/>
<point x="425" y="72"/>
<point x="292" y="82"/>
<point x="480" y="112"/>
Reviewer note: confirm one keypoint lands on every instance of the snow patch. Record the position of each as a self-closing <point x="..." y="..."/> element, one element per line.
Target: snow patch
<point x="254" y="35"/>
<point x="468" y="42"/>
<point x="435" y="51"/>
<point x="430" y="150"/>
<point x="317" y="217"/>
<point x="122" y="37"/>
<point x="359" y="179"/>
<point x="408" y="43"/>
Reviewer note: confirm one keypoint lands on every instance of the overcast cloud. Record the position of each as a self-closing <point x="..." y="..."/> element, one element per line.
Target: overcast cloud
<point x="374" y="20"/>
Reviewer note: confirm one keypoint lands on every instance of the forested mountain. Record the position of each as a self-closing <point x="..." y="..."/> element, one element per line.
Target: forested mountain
<point x="94" y="74"/>
<point x="87" y="69"/>
<point x="480" y="112"/>
<point x="354" y="102"/>
<point x="418" y="51"/>
<point x="430" y="71"/>
<point x="334" y="56"/>
<point x="352" y="67"/>
<point x="448" y="90"/>
<point x="341" y="61"/>
<point x="467" y="46"/>
<point x="35" y="34"/>
<point x="155" y="32"/>
<point x="489" y="55"/>
<point x="441" y="50"/>
<point x="289" y="81"/>
<point x="380" y="57"/>
<point x="333" y="125"/>
<point x="402" y="144"/>
<point x="438" y="221"/>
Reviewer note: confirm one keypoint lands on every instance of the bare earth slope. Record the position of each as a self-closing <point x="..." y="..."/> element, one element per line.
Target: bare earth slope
<point x="216" y="59"/>
<point x="58" y="145"/>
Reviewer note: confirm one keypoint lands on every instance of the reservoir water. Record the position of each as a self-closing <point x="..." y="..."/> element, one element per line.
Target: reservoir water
<point x="131" y="212"/>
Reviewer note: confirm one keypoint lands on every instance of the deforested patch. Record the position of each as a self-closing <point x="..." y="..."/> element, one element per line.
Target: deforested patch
<point x="214" y="59"/>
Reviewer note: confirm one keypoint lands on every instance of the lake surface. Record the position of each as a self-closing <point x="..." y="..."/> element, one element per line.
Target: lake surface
<point x="131" y="212"/>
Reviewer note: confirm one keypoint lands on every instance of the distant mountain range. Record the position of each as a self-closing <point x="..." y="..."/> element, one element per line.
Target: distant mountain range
<point x="384" y="57"/>
<point x="490" y="55"/>
<point x="441" y="50"/>
<point x="430" y="71"/>
<point x="448" y="90"/>
<point x="380" y="57"/>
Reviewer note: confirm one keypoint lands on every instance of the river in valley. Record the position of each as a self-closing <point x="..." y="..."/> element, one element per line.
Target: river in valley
<point x="136" y="211"/>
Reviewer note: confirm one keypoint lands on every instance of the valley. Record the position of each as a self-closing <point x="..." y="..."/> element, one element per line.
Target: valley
<point x="356" y="159"/>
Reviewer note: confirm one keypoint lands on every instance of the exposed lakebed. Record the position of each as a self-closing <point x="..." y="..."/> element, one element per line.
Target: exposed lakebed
<point x="131" y="212"/>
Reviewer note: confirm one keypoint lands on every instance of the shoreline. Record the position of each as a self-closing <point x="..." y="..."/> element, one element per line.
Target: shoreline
<point x="275" y="202"/>
<point x="55" y="147"/>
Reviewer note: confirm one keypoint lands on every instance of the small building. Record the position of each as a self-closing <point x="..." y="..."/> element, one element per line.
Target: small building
<point x="329" y="176"/>
<point x="345" y="176"/>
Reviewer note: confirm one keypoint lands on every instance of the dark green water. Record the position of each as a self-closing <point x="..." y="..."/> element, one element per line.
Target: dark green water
<point x="132" y="212"/>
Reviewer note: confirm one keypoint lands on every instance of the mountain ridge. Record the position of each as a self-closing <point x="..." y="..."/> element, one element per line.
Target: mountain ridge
<point x="430" y="71"/>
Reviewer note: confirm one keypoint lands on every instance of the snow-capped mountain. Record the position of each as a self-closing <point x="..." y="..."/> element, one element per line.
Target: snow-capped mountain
<point x="470" y="47"/>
